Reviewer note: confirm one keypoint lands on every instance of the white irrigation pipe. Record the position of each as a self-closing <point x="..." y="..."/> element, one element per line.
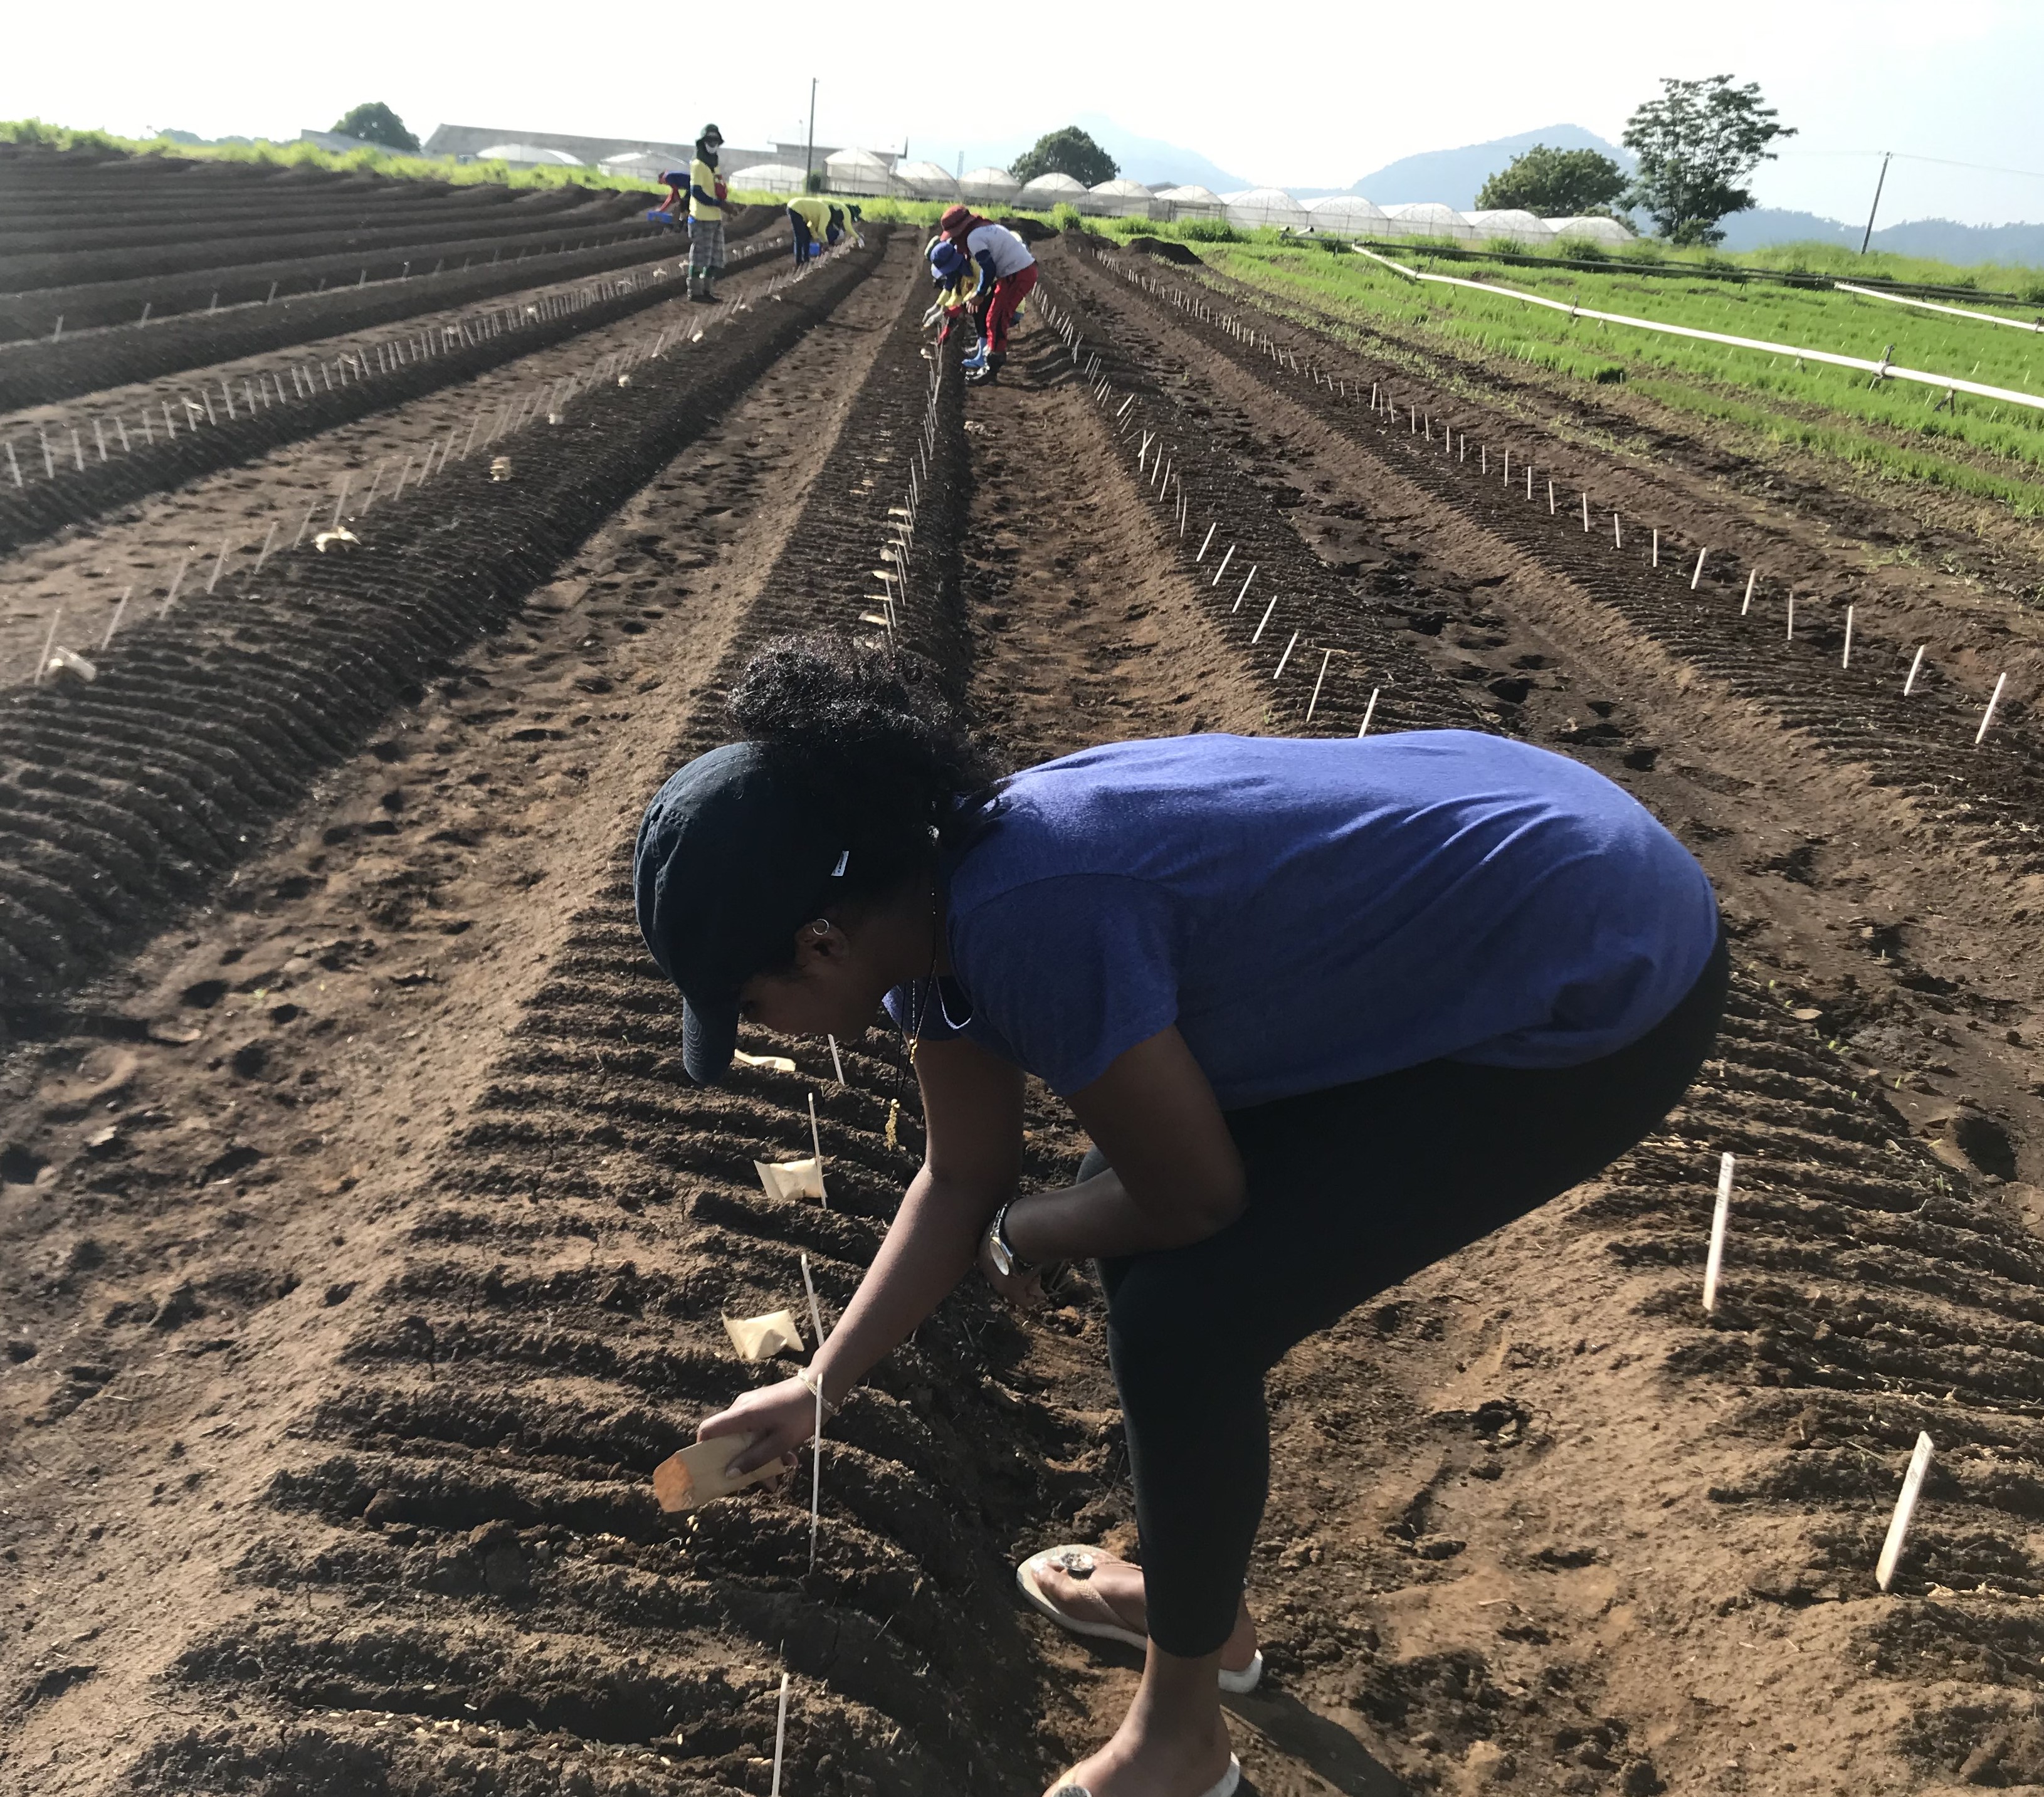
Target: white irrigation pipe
<point x="1951" y="311"/>
<point x="1887" y="371"/>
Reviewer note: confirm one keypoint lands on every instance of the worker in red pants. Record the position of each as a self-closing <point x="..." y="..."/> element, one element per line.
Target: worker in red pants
<point x="1007" y="275"/>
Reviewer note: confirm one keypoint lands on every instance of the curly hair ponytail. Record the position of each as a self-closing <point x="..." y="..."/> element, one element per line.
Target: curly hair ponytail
<point x="874" y="736"/>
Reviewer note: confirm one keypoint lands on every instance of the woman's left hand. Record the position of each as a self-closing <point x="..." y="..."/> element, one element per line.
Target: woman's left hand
<point x="1023" y="1290"/>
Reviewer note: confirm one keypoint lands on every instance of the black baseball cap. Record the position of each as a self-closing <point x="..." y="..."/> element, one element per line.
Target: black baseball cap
<point x="732" y="854"/>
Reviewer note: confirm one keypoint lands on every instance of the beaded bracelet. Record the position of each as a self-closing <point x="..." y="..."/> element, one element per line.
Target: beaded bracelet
<point x="808" y="1380"/>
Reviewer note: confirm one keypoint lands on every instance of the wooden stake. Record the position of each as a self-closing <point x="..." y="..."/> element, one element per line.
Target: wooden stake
<point x="1905" y="1511"/>
<point x="1752" y="575"/>
<point x="1987" y="716"/>
<point x="1699" y="574"/>
<point x="1845" y="661"/>
<point x="1222" y="569"/>
<point x="1206" y="542"/>
<point x="305" y="523"/>
<point x="340" y="499"/>
<point x="1915" y="668"/>
<point x="1369" y="712"/>
<point x="43" y="660"/>
<point x="219" y="561"/>
<point x="817" y="1442"/>
<point x="1244" y="594"/>
<point x="1287" y="656"/>
<point x="1789" y="636"/>
<point x="1656" y="549"/>
<point x="780" y="1737"/>
<point x="115" y="624"/>
<point x="1551" y="499"/>
<point x="1265" y="619"/>
<point x="837" y="1060"/>
<point x="269" y="540"/>
<point x="1327" y="656"/>
<point x="177" y="580"/>
<point x="817" y="1148"/>
<point x="1586" y="513"/>
<point x="1714" y="1261"/>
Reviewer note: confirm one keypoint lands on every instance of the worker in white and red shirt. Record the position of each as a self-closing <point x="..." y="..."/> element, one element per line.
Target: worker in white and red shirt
<point x="1007" y="275"/>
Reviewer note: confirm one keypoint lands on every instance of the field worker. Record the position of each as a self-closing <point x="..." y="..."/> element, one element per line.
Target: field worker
<point x="674" y="210"/>
<point x="1329" y="1009"/>
<point x="1007" y="272"/>
<point x="810" y="215"/>
<point x="957" y="277"/>
<point x="707" y="210"/>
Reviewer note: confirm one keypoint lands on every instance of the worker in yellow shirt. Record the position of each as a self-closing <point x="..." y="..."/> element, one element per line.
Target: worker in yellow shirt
<point x="810" y="215"/>
<point x="707" y="210"/>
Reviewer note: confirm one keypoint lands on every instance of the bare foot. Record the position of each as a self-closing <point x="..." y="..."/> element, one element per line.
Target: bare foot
<point x="1152" y="1762"/>
<point x="1112" y="1592"/>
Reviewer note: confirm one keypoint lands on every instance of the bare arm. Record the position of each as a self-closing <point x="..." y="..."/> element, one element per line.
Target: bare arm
<point x="1176" y="1176"/>
<point x="972" y="1103"/>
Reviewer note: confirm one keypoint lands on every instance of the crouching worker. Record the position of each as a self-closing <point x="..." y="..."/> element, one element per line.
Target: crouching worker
<point x="810" y="216"/>
<point x="1330" y="1010"/>
<point x="673" y="212"/>
<point x="957" y="277"/>
<point x="1007" y="275"/>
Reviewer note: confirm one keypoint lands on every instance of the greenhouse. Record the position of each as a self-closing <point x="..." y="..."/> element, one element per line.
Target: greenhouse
<point x="1121" y="199"/>
<point x="528" y="155"/>
<point x="1429" y="218"/>
<point x="1510" y="223"/>
<point x="856" y="171"/>
<point x="1608" y="231"/>
<point x="926" y="180"/>
<point x="988" y="186"/>
<point x="648" y="163"/>
<point x="1347" y="215"/>
<point x="1049" y="191"/>
<point x="768" y="177"/>
<point x="1191" y="202"/>
<point x="1265" y="205"/>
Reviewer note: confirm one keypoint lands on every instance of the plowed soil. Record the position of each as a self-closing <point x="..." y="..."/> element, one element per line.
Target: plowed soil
<point x="364" y="1247"/>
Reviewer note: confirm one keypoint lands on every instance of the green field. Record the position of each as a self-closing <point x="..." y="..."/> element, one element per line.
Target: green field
<point x="1896" y="431"/>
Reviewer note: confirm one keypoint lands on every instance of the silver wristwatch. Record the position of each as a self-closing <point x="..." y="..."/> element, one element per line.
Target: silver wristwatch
<point x="1006" y="1261"/>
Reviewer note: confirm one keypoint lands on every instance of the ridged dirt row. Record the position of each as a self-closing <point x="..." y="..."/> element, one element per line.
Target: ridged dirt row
<point x="135" y="791"/>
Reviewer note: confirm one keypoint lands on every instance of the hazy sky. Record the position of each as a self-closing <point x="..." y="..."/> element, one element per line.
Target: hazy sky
<point x="1314" y="93"/>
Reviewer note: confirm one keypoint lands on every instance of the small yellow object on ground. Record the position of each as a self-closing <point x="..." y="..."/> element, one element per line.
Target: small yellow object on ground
<point x="697" y="1474"/>
<point x="772" y="1063"/>
<point x="791" y="1179"/>
<point x="761" y="1337"/>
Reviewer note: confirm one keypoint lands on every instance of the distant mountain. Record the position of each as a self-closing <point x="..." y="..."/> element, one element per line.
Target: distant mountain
<point x="2020" y="246"/>
<point x="1150" y="159"/>
<point x="1453" y="177"/>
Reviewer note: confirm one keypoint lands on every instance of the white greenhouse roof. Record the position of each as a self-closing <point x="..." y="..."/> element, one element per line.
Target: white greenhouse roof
<point x="1429" y="218"/>
<point x="635" y="162"/>
<point x="531" y="154"/>
<point x="1266" y="206"/>
<point x="1124" y="197"/>
<point x="988" y="180"/>
<point x="770" y="177"/>
<point x="1193" y="195"/>
<point x="1053" y="186"/>
<point x="853" y="159"/>
<point x="1344" y="212"/>
<point x="927" y="178"/>
<point x="1511" y="222"/>
<point x="1598" y="230"/>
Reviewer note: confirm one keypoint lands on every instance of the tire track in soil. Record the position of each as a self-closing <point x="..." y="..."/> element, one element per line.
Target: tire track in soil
<point x="1680" y="1515"/>
<point x="346" y="990"/>
<point x="85" y="571"/>
<point x="104" y="475"/>
<point x="126" y="798"/>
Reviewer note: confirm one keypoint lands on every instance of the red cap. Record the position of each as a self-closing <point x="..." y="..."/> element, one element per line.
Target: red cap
<point x="954" y="216"/>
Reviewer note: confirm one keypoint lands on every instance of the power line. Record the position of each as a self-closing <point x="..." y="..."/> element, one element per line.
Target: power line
<point x="1904" y="156"/>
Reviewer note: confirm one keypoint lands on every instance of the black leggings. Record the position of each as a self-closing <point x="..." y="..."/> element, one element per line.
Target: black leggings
<point x="804" y="236"/>
<point x="1351" y="1191"/>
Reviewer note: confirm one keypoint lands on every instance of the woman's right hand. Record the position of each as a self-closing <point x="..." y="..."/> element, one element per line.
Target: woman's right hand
<point x="781" y="1416"/>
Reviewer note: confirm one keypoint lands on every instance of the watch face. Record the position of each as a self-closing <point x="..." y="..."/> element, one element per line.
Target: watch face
<point x="1003" y="1262"/>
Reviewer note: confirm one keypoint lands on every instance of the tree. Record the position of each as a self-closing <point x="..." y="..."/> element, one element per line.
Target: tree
<point x="375" y="123"/>
<point x="1695" y="144"/>
<point x="1069" y="151"/>
<point x="1555" y="184"/>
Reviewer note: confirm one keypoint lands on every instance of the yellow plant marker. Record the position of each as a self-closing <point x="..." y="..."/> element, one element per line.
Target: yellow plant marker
<point x="696" y="1474"/>
<point x="761" y="1337"/>
<point x="772" y="1063"/>
<point x="791" y="1179"/>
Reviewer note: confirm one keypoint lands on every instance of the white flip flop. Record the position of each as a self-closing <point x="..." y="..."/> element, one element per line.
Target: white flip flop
<point x="1226" y="1788"/>
<point x="1079" y="1561"/>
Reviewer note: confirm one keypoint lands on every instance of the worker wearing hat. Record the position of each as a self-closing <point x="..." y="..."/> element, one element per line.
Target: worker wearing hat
<point x="1330" y="1010"/>
<point x="707" y="210"/>
<point x="1007" y="276"/>
<point x="957" y="277"/>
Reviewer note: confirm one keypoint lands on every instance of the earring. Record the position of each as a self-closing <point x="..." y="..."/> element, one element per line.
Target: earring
<point x="820" y="928"/>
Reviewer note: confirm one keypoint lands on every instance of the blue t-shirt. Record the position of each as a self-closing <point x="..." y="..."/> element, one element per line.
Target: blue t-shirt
<point x="1313" y="911"/>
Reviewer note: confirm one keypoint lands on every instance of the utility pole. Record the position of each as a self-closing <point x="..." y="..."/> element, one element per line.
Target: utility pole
<point x="1878" y="185"/>
<point x="809" y="154"/>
